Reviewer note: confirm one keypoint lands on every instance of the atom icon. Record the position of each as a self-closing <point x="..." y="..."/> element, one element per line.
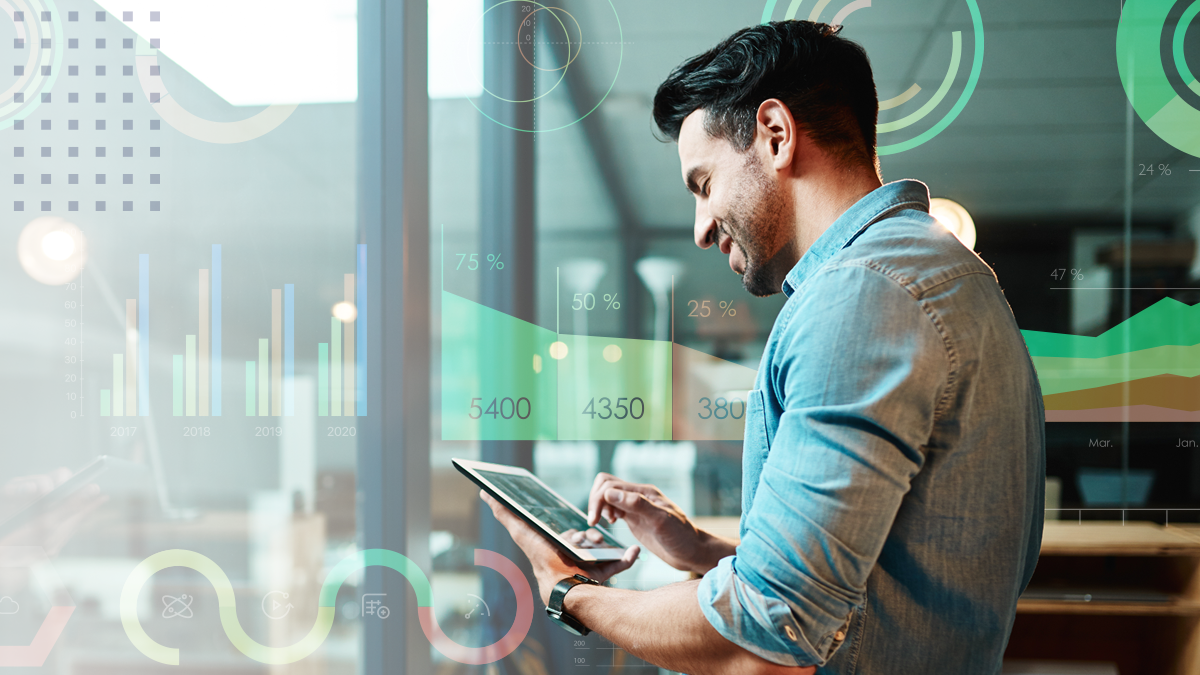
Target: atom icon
<point x="180" y="607"/>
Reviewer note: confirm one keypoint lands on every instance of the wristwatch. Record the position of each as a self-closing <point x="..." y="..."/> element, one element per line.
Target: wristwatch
<point x="555" y="606"/>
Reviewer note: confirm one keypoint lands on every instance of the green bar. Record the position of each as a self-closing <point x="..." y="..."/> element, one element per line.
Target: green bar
<point x="263" y="390"/>
<point x="189" y="376"/>
<point x="249" y="389"/>
<point x="323" y="379"/>
<point x="105" y="402"/>
<point x="118" y="390"/>
<point x="335" y="366"/>
<point x="177" y="385"/>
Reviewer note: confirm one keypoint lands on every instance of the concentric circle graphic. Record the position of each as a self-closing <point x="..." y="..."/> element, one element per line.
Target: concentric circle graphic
<point x="1154" y="72"/>
<point x="938" y="96"/>
<point x="43" y="39"/>
<point x="564" y="21"/>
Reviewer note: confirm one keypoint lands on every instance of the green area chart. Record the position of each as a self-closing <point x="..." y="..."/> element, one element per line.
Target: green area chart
<point x="1145" y="369"/>
<point x="507" y="379"/>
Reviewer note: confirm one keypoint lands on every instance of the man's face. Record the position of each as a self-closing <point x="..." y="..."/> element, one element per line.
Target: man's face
<point x="740" y="207"/>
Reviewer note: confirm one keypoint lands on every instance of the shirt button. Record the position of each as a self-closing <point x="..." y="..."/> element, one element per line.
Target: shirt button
<point x="790" y="633"/>
<point x="839" y="636"/>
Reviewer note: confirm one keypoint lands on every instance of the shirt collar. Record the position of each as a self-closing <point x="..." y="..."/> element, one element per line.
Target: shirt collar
<point x="856" y="219"/>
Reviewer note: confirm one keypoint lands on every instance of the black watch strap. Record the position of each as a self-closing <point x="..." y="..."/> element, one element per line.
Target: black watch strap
<point x="555" y="607"/>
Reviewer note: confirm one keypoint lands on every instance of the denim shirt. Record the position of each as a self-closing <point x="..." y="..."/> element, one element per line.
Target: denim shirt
<point x="894" y="461"/>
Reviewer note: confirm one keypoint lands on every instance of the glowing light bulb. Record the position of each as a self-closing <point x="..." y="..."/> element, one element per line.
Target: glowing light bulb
<point x="558" y="351"/>
<point x="345" y="312"/>
<point x="955" y="218"/>
<point x="58" y="245"/>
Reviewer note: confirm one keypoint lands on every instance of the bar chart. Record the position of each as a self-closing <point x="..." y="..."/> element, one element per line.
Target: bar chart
<point x="198" y="357"/>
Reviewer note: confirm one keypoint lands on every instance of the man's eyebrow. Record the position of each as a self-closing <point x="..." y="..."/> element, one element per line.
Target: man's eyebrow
<point x="693" y="175"/>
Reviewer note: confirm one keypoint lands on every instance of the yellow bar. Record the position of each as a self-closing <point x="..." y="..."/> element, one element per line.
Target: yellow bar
<point x="263" y="348"/>
<point x="131" y="345"/>
<point x="118" y="392"/>
<point x="348" y="352"/>
<point x="189" y="376"/>
<point x="276" y="352"/>
<point x="335" y="367"/>
<point x="202" y="356"/>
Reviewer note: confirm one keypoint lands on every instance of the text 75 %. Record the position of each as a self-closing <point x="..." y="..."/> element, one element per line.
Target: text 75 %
<point x="472" y="260"/>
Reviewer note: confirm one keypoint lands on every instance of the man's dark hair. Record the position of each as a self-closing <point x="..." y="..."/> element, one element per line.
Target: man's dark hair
<point x="824" y="79"/>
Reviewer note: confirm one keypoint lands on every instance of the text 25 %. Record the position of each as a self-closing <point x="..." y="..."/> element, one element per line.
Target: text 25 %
<point x="703" y="310"/>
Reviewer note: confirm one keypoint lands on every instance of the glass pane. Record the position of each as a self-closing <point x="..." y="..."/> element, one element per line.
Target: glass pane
<point x="181" y="306"/>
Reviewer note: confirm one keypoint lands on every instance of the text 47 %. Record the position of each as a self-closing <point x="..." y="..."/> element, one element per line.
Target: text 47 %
<point x="1061" y="273"/>
<point x="472" y="260"/>
<point x="702" y="309"/>
<point x="587" y="301"/>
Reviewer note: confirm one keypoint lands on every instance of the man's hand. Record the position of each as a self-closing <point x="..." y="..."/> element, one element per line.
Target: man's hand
<point x="549" y="565"/>
<point x="656" y="522"/>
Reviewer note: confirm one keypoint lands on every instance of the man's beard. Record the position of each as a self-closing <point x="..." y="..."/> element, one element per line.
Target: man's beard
<point x="759" y="226"/>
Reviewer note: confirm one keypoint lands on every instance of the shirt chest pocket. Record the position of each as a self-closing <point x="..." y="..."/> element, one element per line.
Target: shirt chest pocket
<point x="756" y="445"/>
<point x="757" y="441"/>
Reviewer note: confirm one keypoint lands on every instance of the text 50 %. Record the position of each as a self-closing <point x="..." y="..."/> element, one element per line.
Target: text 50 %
<point x="587" y="301"/>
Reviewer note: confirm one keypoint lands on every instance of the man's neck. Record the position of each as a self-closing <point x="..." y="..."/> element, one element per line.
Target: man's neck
<point x="823" y="197"/>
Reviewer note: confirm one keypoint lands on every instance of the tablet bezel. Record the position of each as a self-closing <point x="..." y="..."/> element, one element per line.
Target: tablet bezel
<point x="470" y="468"/>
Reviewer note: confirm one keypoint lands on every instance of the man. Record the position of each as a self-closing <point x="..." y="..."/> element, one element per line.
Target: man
<point x="894" y="453"/>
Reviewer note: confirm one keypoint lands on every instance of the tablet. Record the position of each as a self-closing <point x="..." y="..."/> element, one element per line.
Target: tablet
<point x="541" y="507"/>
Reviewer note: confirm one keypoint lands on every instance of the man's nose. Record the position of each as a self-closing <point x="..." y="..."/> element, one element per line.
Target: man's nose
<point x="705" y="228"/>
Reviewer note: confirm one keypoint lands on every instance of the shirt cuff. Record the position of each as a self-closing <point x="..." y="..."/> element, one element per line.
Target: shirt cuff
<point x="759" y="623"/>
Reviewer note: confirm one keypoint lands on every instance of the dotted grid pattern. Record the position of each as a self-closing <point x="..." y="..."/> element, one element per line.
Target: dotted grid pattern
<point x="85" y="118"/>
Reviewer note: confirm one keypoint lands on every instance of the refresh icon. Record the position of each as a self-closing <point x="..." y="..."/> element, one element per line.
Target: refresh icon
<point x="273" y="607"/>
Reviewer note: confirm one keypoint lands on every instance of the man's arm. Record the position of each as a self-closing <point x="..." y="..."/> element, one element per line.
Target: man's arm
<point x="663" y="626"/>
<point x="666" y="627"/>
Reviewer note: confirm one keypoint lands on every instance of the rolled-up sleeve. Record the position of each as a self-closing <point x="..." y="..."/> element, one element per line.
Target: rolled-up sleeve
<point x="855" y="379"/>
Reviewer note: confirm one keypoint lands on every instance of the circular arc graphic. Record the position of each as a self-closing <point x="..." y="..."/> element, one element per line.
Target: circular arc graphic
<point x="582" y="116"/>
<point x="1142" y="34"/>
<point x="182" y="120"/>
<point x="326" y="609"/>
<point x="939" y="95"/>
<point x="33" y="82"/>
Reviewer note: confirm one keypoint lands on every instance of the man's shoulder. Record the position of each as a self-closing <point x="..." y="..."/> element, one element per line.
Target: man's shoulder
<point x="910" y="248"/>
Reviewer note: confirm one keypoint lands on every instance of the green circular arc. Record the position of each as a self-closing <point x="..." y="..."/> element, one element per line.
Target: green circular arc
<point x="959" y="105"/>
<point x="1181" y="65"/>
<point x="1143" y="73"/>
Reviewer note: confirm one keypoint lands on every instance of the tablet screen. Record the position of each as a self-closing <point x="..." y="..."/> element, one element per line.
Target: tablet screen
<point x="544" y="505"/>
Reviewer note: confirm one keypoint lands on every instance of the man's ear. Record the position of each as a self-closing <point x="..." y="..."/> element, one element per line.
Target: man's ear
<point x="776" y="131"/>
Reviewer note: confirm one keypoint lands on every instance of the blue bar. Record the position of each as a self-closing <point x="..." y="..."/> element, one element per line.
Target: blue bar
<point x="215" y="360"/>
<point x="360" y="376"/>
<point x="143" y="357"/>
<point x="289" y="350"/>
